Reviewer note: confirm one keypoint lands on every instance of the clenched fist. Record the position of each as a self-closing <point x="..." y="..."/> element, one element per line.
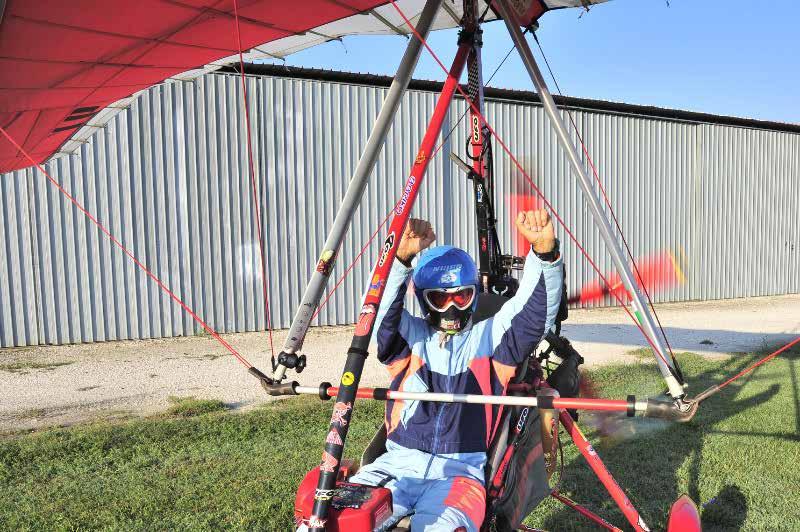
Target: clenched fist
<point x="417" y="236"/>
<point x="537" y="228"/>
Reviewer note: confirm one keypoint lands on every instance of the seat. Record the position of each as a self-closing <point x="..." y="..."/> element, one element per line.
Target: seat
<point x="376" y="447"/>
<point x="488" y="305"/>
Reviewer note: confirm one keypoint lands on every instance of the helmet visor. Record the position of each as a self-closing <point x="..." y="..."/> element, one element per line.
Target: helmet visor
<point x="440" y="299"/>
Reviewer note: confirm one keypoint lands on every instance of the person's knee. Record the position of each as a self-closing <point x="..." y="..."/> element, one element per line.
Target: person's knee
<point x="468" y="497"/>
<point x="457" y="505"/>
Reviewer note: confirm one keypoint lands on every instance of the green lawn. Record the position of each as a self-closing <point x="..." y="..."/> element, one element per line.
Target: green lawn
<point x="200" y="467"/>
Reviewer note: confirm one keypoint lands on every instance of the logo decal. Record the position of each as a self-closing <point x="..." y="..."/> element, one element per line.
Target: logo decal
<point x="339" y="411"/>
<point x="366" y="319"/>
<point x="316" y="522"/>
<point x="406" y="193"/>
<point x="325" y="262"/>
<point x="451" y="325"/>
<point x="420" y="157"/>
<point x="334" y="438"/>
<point x="499" y="292"/>
<point x="348" y="378"/>
<point x="323" y="495"/>
<point x="479" y="193"/>
<point x="383" y="514"/>
<point x="476" y="130"/>
<point x="375" y="286"/>
<point x="388" y="244"/>
<point x="451" y="267"/>
<point x="522" y="417"/>
<point x="449" y="277"/>
<point x="328" y="463"/>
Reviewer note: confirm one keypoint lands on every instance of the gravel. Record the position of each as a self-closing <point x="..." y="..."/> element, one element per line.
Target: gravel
<point x="62" y="385"/>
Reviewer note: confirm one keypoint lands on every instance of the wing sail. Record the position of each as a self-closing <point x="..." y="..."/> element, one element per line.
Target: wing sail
<point x="67" y="67"/>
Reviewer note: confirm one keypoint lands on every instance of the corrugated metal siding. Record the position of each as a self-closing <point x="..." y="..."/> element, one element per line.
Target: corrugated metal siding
<point x="791" y="218"/>
<point x="169" y="177"/>
<point x="750" y="196"/>
<point x="18" y="323"/>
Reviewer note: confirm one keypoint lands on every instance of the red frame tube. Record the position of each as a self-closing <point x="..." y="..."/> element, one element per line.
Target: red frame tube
<point x="599" y="468"/>
<point x="585" y="512"/>
<point x="402" y="210"/>
<point x="354" y="365"/>
<point x="608" y="405"/>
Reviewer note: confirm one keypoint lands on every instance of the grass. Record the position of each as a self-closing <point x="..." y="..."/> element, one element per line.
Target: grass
<point x="200" y="467"/>
<point x="26" y="367"/>
<point x="191" y="406"/>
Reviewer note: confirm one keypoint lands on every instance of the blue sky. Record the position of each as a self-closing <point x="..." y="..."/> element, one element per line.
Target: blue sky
<point x="731" y="57"/>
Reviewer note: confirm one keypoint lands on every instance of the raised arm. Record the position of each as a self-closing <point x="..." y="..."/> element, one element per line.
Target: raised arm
<point x="522" y="322"/>
<point x="396" y="329"/>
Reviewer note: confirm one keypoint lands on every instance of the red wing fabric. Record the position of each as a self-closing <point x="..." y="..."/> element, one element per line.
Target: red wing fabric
<point x="66" y="67"/>
<point x="62" y="62"/>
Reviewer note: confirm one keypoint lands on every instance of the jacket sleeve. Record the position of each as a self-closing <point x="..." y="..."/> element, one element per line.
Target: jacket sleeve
<point x="395" y="328"/>
<point x="522" y="322"/>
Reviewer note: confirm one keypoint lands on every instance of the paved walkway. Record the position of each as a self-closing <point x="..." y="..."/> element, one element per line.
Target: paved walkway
<point x="61" y="385"/>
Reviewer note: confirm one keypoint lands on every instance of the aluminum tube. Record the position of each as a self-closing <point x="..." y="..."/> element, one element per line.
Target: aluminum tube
<point x="640" y="308"/>
<point x="506" y="400"/>
<point x="319" y="279"/>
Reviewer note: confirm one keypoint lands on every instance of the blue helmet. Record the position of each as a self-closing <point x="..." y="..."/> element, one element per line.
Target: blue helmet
<point x="446" y="267"/>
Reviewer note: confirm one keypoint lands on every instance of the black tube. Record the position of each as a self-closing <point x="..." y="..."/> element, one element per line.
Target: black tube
<point x="544" y="401"/>
<point x="277" y="389"/>
<point x="357" y="350"/>
<point x="323" y="391"/>
<point x="631" y="405"/>
<point x="255" y="372"/>
<point x="670" y="411"/>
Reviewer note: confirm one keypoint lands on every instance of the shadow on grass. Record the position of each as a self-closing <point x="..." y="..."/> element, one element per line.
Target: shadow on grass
<point x="656" y="462"/>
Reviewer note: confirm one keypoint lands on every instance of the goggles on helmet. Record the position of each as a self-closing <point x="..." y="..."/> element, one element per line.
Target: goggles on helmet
<point x="440" y="299"/>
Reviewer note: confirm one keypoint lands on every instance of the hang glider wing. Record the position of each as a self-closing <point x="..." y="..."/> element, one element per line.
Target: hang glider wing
<point x="67" y="67"/>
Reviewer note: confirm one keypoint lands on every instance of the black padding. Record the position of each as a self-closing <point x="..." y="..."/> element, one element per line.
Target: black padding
<point x="544" y="401"/>
<point x="376" y="447"/>
<point x="381" y="394"/>
<point x="488" y="305"/>
<point x="323" y="391"/>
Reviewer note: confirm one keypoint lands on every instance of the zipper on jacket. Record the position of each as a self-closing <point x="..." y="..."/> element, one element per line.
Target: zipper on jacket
<point x="442" y="406"/>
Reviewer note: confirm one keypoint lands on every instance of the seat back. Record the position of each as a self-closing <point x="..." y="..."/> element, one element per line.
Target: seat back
<point x="488" y="305"/>
<point x="376" y="447"/>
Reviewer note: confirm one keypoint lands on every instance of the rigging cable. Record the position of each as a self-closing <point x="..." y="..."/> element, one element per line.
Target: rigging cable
<point x="608" y="204"/>
<point x="538" y="191"/>
<point x="127" y="252"/>
<point x="386" y="219"/>
<point x="714" y="389"/>
<point x="756" y="364"/>
<point x="264" y="277"/>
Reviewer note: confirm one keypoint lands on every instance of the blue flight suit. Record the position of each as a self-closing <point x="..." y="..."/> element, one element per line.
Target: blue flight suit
<point x="436" y="452"/>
